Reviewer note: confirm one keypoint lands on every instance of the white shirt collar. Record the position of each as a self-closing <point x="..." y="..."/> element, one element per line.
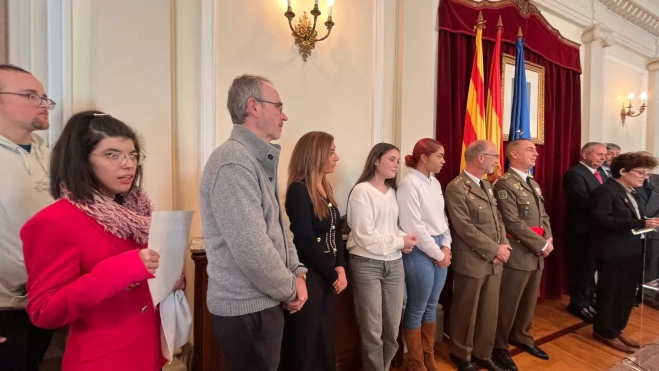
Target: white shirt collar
<point x="589" y="168"/>
<point x="523" y="175"/>
<point x="420" y="175"/>
<point x="476" y="180"/>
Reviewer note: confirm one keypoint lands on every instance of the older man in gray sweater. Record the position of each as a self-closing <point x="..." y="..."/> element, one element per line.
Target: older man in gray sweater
<point x="253" y="266"/>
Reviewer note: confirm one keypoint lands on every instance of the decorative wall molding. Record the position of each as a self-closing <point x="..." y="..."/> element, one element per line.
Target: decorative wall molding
<point x="653" y="65"/>
<point x="377" y="134"/>
<point x="624" y="63"/>
<point x="598" y="33"/>
<point x="641" y="13"/>
<point x="207" y="83"/>
<point x="20" y="35"/>
<point x="59" y="83"/>
<point x="626" y="33"/>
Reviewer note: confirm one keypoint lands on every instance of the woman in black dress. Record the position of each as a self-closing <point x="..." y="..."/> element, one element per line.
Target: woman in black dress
<point x="618" y="252"/>
<point x="308" y="342"/>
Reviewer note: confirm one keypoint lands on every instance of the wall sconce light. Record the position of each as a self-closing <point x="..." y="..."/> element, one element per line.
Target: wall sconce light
<point x="629" y="110"/>
<point x="304" y="33"/>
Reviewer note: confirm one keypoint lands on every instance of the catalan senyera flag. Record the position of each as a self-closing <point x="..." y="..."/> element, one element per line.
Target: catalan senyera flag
<point x="475" y="119"/>
<point x="493" y="108"/>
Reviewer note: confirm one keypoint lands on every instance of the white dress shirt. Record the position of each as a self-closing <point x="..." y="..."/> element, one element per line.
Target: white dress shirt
<point x="373" y="220"/>
<point x="473" y="178"/>
<point x="589" y="168"/>
<point x="422" y="212"/>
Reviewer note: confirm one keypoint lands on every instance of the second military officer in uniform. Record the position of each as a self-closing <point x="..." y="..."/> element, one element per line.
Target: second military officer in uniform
<point x="479" y="249"/>
<point x="522" y="206"/>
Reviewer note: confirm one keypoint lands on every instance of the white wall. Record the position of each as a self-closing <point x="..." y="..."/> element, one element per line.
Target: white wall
<point x="622" y="77"/>
<point x="331" y="91"/>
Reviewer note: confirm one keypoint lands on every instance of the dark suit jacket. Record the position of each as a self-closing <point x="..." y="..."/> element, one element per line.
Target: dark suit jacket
<point x="579" y="184"/>
<point x="315" y="239"/>
<point x="613" y="217"/>
<point x="648" y="197"/>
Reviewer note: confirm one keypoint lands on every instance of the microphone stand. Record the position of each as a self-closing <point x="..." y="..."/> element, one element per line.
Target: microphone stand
<point x="653" y="285"/>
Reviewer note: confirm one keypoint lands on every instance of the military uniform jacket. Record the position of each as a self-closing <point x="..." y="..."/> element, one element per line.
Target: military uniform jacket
<point x="523" y="206"/>
<point x="477" y="227"/>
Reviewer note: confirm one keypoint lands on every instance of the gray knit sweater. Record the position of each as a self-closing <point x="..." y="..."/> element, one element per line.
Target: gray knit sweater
<point x="252" y="262"/>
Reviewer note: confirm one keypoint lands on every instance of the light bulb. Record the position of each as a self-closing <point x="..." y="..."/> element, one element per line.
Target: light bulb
<point x="630" y="96"/>
<point x="330" y="2"/>
<point x="643" y="96"/>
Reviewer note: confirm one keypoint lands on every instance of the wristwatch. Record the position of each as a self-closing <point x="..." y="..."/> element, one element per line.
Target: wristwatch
<point x="303" y="276"/>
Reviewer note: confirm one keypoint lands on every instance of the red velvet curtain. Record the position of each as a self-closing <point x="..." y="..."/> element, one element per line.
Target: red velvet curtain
<point x="562" y="106"/>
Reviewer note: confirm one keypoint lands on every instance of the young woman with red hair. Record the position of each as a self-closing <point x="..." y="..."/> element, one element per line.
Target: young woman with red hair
<point x="421" y="205"/>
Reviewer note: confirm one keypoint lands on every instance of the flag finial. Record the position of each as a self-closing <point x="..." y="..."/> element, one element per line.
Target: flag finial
<point x="519" y="33"/>
<point x="480" y="24"/>
<point x="500" y="23"/>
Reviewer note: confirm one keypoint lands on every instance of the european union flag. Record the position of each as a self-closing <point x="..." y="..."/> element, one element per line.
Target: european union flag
<point x="520" y="118"/>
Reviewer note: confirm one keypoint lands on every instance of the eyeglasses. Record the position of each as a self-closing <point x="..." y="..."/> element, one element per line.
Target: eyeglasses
<point x="35" y="99"/>
<point x="120" y="159"/>
<point x="644" y="174"/>
<point x="278" y="105"/>
<point x="491" y="154"/>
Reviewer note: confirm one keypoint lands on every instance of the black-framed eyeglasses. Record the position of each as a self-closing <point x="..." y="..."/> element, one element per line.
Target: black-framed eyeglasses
<point x="491" y="154"/>
<point x="35" y="99"/>
<point x="278" y="105"/>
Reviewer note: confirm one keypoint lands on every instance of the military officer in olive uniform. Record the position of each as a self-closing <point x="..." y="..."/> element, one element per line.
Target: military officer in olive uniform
<point x="527" y="226"/>
<point x="479" y="249"/>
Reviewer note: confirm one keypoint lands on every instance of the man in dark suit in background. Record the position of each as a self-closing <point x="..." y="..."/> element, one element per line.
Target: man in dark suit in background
<point x="579" y="182"/>
<point x="612" y="151"/>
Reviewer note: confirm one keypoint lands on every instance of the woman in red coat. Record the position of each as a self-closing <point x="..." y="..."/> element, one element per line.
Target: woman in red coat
<point x="86" y="254"/>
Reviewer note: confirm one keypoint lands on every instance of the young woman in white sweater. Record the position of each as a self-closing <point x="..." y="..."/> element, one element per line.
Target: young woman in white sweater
<point x="421" y="204"/>
<point x="375" y="247"/>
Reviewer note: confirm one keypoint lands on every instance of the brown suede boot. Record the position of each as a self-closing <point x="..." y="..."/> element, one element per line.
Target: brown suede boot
<point x="428" y="345"/>
<point x="414" y="349"/>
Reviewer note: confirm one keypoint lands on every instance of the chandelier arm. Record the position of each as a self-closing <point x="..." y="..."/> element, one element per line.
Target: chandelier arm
<point x="315" y="19"/>
<point x="329" y="30"/>
<point x="290" y="24"/>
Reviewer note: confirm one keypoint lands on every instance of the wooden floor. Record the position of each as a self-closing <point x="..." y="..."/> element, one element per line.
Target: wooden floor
<point x="569" y="341"/>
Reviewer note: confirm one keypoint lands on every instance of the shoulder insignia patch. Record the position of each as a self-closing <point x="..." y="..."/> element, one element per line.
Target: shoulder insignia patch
<point x="503" y="194"/>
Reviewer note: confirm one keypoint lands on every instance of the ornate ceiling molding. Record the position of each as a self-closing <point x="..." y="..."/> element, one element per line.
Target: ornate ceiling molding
<point x="598" y="33"/>
<point x="642" y="13"/>
<point x="525" y="7"/>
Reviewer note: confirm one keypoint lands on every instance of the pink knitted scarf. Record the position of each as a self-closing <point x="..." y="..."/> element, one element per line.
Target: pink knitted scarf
<point x="130" y="220"/>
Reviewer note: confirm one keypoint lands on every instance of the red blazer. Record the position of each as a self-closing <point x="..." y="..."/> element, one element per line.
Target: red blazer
<point x="82" y="276"/>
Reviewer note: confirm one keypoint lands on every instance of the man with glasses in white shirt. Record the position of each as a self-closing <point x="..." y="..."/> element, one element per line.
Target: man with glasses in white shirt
<point x="24" y="190"/>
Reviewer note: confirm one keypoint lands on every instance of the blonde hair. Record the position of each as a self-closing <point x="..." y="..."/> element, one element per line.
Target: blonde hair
<point x="308" y="160"/>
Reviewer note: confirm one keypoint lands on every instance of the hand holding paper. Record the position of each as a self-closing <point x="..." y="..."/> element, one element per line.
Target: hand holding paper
<point x="168" y="238"/>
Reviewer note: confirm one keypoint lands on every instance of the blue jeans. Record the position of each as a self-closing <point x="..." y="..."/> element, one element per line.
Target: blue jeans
<point x="424" y="282"/>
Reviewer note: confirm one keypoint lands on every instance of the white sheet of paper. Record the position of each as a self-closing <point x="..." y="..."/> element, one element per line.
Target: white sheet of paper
<point x="168" y="236"/>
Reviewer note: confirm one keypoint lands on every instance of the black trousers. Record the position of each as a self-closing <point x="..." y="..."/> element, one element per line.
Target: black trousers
<point x="308" y="343"/>
<point x="251" y="341"/>
<point x="581" y="271"/>
<point x="26" y="344"/>
<point x="616" y="294"/>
